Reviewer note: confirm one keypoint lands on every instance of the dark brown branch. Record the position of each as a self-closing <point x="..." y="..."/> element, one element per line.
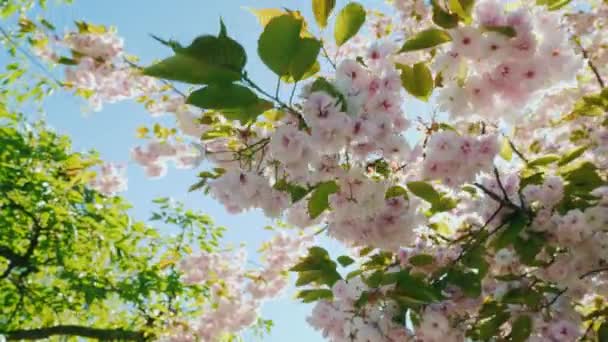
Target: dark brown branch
<point x="17" y="260"/>
<point x="519" y="154"/>
<point x="75" y="330"/>
<point x="497" y="198"/>
<point x="592" y="66"/>
<point x="592" y="272"/>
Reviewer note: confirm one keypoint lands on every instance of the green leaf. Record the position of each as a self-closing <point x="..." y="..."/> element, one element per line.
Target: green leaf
<point x="316" y="267"/>
<point x="581" y="178"/>
<point x="572" y="155"/>
<point x="279" y="43"/>
<point x="410" y="288"/>
<point x="322" y="84"/>
<point x="553" y="5"/>
<point x="504" y="30"/>
<point x="319" y="200"/>
<point x="208" y="60"/>
<point x="305" y="58"/>
<point x="236" y="102"/>
<point x="506" y="152"/>
<point x="521" y="329"/>
<point x="462" y="8"/>
<point x="309" y="296"/>
<point x="490" y="327"/>
<point x="442" y="18"/>
<point x="528" y="249"/>
<point x="425" y="191"/>
<point x="418" y="81"/>
<point x="602" y="332"/>
<point x="396" y="191"/>
<point x="222" y="97"/>
<point x="345" y="260"/>
<point x="475" y="259"/>
<point x="468" y="281"/>
<point x="283" y="50"/>
<point x="517" y="224"/>
<point x="308" y="74"/>
<point x="297" y="192"/>
<point x="534" y="178"/>
<point x="421" y="260"/>
<point x="66" y="61"/>
<point x="349" y="21"/>
<point x="523" y="296"/>
<point x="322" y="10"/>
<point x="544" y="160"/>
<point x="426" y="39"/>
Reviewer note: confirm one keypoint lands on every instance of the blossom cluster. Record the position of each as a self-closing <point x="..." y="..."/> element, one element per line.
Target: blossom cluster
<point x="345" y="156"/>
<point x="500" y="73"/>
<point x="110" y="180"/>
<point x="98" y="68"/>
<point x="237" y="292"/>
<point x="155" y="156"/>
<point x="335" y="320"/>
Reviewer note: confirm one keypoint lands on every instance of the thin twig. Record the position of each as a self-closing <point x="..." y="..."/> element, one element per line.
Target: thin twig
<point x="282" y="104"/>
<point x="497" y="198"/>
<point x="29" y="56"/>
<point x="519" y="154"/>
<point x="333" y="64"/>
<point x="592" y="272"/>
<point x="502" y="188"/>
<point x="598" y="77"/>
<point x="293" y="91"/>
<point x="276" y="91"/>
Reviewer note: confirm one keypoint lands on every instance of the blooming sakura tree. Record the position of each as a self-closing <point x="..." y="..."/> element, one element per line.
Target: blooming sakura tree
<point x="485" y="219"/>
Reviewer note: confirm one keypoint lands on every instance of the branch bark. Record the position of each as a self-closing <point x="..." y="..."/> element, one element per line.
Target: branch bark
<point x="75" y="330"/>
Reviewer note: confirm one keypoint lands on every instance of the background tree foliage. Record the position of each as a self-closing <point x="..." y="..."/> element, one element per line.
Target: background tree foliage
<point x="72" y="261"/>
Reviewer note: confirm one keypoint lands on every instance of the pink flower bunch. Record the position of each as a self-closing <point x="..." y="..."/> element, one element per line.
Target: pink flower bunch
<point x="456" y="159"/>
<point x="155" y="156"/>
<point x="110" y="180"/>
<point x="337" y="321"/>
<point x="502" y="73"/>
<point x="236" y="292"/>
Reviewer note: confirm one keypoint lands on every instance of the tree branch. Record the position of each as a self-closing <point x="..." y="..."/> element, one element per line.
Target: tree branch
<point x="596" y="72"/>
<point x="497" y="198"/>
<point x="15" y="259"/>
<point x="592" y="272"/>
<point x="75" y="330"/>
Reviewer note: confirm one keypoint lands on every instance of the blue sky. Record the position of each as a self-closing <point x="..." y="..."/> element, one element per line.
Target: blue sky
<point x="112" y="131"/>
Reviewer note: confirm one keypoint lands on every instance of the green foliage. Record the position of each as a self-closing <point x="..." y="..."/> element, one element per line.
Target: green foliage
<point x="295" y="191"/>
<point x="349" y="22"/>
<point x="283" y="50"/>
<point x="208" y="60"/>
<point x="70" y="255"/>
<point x="504" y="30"/>
<point x="426" y="39"/>
<point x="345" y="260"/>
<point x="322" y="9"/>
<point x="553" y="5"/>
<point x="309" y="296"/>
<point x="602" y="332"/>
<point x="443" y="18"/>
<point x="417" y="80"/>
<point x="319" y="199"/>
<point x="421" y="260"/>
<point x="521" y="328"/>
<point x="544" y="160"/>
<point x="462" y="8"/>
<point x="316" y="268"/>
<point x="517" y="224"/>
<point x="439" y="201"/>
<point x="234" y="101"/>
